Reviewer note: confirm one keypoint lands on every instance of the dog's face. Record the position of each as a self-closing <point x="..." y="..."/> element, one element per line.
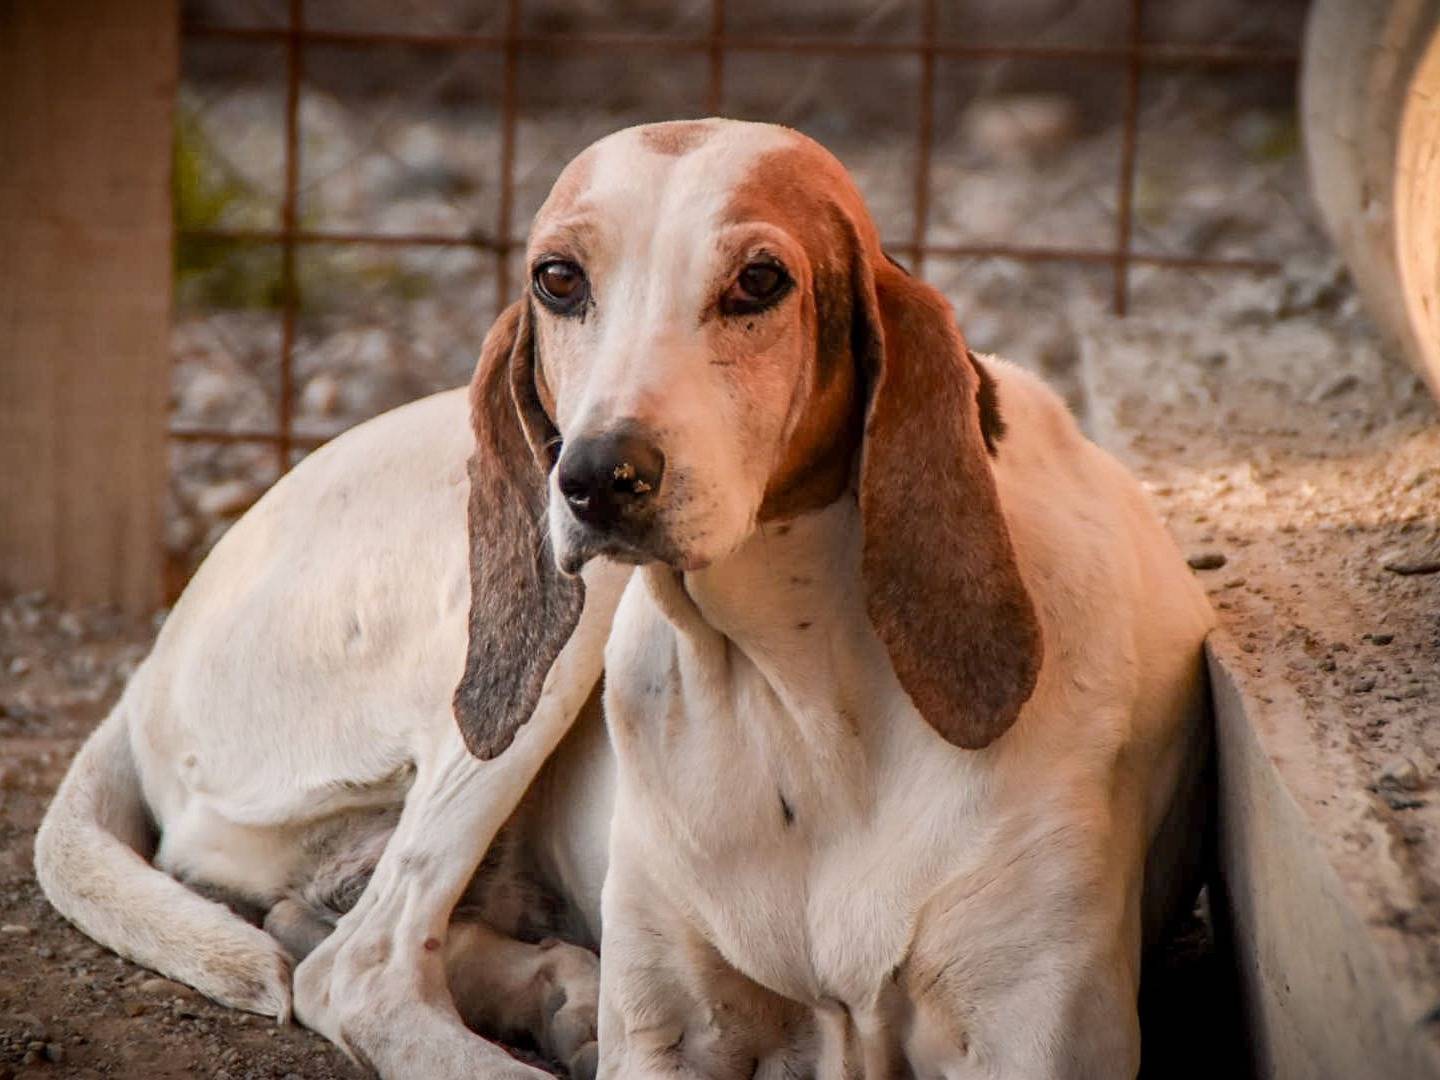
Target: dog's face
<point x="712" y="338"/>
<point x="677" y="277"/>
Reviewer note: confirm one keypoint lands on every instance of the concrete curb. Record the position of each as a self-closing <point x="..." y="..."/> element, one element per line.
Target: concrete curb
<point x="1323" y="997"/>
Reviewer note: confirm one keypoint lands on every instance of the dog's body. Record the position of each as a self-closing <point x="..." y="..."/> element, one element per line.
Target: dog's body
<point x="807" y="873"/>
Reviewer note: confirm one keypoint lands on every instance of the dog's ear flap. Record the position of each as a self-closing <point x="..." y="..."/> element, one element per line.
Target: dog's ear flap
<point x="942" y="586"/>
<point x="522" y="609"/>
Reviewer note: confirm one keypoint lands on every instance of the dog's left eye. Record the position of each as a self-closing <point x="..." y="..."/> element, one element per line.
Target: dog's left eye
<point x="756" y="288"/>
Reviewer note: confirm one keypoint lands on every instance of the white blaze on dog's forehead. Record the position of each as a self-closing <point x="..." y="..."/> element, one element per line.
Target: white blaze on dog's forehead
<point x="648" y="189"/>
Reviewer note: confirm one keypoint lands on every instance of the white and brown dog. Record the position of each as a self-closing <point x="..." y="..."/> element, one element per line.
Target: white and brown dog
<point x="905" y="700"/>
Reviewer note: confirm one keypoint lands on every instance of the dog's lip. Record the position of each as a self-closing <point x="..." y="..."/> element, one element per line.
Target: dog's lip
<point x="623" y="550"/>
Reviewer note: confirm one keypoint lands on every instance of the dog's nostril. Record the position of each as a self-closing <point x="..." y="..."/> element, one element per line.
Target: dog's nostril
<point x="626" y="481"/>
<point x="606" y="477"/>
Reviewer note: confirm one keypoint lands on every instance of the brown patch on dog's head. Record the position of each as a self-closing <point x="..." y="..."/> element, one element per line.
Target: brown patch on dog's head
<point x="895" y="396"/>
<point x="522" y="609"/>
<point x="675" y="137"/>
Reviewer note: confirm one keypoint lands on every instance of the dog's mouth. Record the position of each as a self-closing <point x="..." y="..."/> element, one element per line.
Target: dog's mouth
<point x="634" y="546"/>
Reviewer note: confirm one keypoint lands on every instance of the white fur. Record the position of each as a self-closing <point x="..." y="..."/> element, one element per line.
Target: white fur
<point x="960" y="914"/>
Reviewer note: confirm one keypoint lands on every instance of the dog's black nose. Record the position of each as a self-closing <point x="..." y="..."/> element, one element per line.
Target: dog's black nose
<point x="605" y="477"/>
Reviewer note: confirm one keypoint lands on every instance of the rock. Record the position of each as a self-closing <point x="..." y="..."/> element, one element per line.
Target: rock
<point x="1398" y="563"/>
<point x="1381" y="639"/>
<point x="70" y="625"/>
<point x="19" y="667"/>
<point x="1363" y="685"/>
<point x="1341" y="384"/>
<point x="1020" y="127"/>
<point x="1206" y="560"/>
<point x="159" y="987"/>
<point x="14" y="930"/>
<point x="54" y="1053"/>
<point x="209" y="396"/>
<point x="1401" y="774"/>
<point x="321" y="396"/>
<point x="226" y="498"/>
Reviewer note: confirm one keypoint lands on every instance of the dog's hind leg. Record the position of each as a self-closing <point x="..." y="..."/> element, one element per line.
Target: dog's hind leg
<point x="548" y="992"/>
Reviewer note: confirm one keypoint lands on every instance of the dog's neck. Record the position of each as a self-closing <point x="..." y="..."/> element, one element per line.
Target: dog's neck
<point x="791" y="602"/>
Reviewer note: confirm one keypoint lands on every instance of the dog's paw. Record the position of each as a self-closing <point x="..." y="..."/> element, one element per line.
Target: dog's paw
<point x="585" y="1062"/>
<point x="570" y="1009"/>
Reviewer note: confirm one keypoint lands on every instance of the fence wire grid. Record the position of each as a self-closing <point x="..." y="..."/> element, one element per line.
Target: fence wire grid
<point x="354" y="178"/>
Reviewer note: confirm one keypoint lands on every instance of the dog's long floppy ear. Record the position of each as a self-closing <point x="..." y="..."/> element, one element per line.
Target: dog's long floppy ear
<point x="522" y="609"/>
<point x="942" y="586"/>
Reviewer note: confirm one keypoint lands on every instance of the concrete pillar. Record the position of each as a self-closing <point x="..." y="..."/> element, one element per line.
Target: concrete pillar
<point x="86" y="94"/>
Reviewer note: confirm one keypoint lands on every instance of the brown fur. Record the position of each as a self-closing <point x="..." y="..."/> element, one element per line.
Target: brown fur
<point x="522" y="609"/>
<point x="677" y="137"/>
<point x="943" y="588"/>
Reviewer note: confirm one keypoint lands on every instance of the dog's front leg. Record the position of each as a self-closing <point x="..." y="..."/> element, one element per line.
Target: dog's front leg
<point x="671" y="1006"/>
<point x="378" y="985"/>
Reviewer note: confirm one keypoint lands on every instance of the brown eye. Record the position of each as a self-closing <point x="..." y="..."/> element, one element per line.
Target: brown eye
<point x="561" y="286"/>
<point x="759" y="285"/>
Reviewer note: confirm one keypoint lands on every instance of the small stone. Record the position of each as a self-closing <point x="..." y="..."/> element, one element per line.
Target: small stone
<point x="14" y="930"/>
<point x="1020" y="127"/>
<point x="71" y="626"/>
<point x="1341" y="384"/>
<point x="54" y="1053"/>
<point x="1401" y="774"/>
<point x="164" y="988"/>
<point x="1206" y="560"/>
<point x="1363" y="685"/>
<point x="134" y="1008"/>
<point x="321" y="396"/>
<point x="1411" y="564"/>
<point x="1381" y="639"/>
<point x="226" y="498"/>
<point x="19" y="667"/>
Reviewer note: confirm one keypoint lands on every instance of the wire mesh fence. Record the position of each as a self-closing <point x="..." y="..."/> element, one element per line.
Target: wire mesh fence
<point x="354" y="178"/>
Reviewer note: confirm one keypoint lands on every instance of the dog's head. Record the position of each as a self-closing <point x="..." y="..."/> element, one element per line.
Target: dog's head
<point x="712" y="339"/>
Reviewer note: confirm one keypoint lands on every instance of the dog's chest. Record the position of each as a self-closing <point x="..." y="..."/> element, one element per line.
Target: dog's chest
<point x="766" y="790"/>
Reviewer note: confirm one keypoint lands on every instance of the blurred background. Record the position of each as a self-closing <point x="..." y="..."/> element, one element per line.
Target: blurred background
<point x="354" y="178"/>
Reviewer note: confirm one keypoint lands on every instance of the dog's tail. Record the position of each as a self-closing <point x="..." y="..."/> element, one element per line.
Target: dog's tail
<point x="89" y="860"/>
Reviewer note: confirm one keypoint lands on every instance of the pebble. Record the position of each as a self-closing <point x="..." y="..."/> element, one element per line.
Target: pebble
<point x="1408" y="564"/>
<point x="1363" y="685"/>
<point x="54" y="1053"/>
<point x="19" y="667"/>
<point x="1401" y="774"/>
<point x="165" y="988"/>
<point x="1380" y="639"/>
<point x="1020" y="127"/>
<point x="1206" y="560"/>
<point x="226" y="498"/>
<point x="14" y="930"/>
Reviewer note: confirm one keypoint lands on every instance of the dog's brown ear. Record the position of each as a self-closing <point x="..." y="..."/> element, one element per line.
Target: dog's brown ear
<point x="522" y="609"/>
<point x="942" y="586"/>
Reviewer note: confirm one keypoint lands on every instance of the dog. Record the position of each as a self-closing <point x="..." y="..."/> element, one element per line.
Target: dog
<point x="898" y="759"/>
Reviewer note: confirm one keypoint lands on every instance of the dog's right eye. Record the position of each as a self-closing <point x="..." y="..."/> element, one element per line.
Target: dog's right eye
<point x="561" y="286"/>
